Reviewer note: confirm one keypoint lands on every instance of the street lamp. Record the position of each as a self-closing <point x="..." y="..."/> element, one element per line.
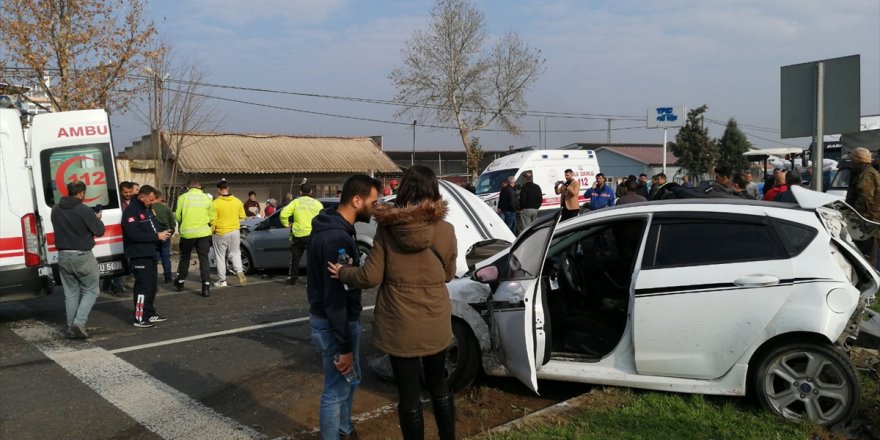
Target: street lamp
<point x="412" y="160"/>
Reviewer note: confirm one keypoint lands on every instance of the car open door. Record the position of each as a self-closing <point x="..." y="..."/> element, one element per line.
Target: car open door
<point x="516" y="308"/>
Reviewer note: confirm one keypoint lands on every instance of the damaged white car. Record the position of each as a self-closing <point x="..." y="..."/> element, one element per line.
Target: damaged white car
<point x="711" y="296"/>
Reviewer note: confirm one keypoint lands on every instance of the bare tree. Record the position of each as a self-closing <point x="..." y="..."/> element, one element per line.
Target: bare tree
<point x="447" y="77"/>
<point x="90" y="46"/>
<point x="173" y="103"/>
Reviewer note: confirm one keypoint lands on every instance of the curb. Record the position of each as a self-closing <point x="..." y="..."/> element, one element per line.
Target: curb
<point x="542" y="416"/>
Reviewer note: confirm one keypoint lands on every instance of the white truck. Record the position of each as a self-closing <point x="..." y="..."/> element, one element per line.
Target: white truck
<point x="35" y="166"/>
<point x="547" y="167"/>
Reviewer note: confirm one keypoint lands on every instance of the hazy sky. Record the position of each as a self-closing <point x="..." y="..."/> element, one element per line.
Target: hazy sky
<point x="616" y="57"/>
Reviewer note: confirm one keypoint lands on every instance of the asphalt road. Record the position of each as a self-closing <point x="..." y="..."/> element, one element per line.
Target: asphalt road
<point x="237" y="364"/>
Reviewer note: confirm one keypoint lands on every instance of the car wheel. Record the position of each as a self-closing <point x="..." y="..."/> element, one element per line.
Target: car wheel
<point x="463" y="358"/>
<point x="246" y="265"/>
<point x="363" y="252"/>
<point x="812" y="381"/>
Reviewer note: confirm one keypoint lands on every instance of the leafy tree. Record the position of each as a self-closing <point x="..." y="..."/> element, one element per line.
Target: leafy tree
<point x="447" y="77"/>
<point x="731" y="147"/>
<point x="474" y="156"/>
<point x="87" y="48"/>
<point x="695" y="151"/>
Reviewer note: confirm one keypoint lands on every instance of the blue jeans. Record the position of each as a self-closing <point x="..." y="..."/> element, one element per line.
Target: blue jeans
<point x="79" y="277"/>
<point x="509" y="220"/>
<point x="338" y="394"/>
<point x="164" y="255"/>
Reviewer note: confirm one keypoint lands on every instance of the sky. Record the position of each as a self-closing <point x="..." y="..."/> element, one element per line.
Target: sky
<point x="616" y="57"/>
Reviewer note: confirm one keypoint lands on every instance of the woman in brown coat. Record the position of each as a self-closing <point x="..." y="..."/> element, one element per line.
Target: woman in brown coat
<point x="413" y="256"/>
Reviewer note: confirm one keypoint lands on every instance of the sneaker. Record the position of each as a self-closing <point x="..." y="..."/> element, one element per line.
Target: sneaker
<point x="144" y="324"/>
<point x="178" y="285"/>
<point x="157" y="318"/>
<point x="206" y="290"/>
<point x="79" y="332"/>
<point x="220" y="283"/>
<point x="242" y="280"/>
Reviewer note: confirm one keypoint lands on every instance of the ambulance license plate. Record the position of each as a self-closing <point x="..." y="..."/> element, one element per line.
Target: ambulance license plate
<point x="109" y="267"/>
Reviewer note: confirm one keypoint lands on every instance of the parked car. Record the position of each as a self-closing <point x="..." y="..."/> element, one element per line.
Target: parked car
<point x="265" y="243"/>
<point x="711" y="296"/>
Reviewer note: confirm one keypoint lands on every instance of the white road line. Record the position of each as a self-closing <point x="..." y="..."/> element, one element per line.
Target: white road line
<point x="160" y="408"/>
<point x="214" y="334"/>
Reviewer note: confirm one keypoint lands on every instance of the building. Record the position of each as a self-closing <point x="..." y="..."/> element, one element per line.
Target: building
<point x="270" y="165"/>
<point x="621" y="160"/>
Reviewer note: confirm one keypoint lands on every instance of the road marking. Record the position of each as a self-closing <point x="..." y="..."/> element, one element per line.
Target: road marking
<point x="215" y="334"/>
<point x="160" y="408"/>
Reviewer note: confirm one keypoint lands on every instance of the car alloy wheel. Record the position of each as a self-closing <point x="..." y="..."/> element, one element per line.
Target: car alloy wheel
<point x="245" y="263"/>
<point x="812" y="381"/>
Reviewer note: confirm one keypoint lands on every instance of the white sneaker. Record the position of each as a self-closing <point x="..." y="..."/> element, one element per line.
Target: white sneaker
<point x="220" y="283"/>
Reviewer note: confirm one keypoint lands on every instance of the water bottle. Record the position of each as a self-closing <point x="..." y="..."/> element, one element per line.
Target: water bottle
<point x="351" y="376"/>
<point x="343" y="260"/>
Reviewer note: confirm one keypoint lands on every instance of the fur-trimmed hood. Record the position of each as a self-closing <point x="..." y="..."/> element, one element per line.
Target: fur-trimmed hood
<point x="412" y="225"/>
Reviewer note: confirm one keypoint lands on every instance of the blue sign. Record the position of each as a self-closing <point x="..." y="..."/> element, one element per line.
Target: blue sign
<point x="666" y="114"/>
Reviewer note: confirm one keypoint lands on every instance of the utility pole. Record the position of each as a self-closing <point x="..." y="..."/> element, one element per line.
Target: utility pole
<point x="412" y="161"/>
<point x="608" y="136"/>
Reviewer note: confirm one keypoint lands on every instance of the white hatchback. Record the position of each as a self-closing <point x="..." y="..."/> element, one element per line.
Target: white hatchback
<point x="712" y="296"/>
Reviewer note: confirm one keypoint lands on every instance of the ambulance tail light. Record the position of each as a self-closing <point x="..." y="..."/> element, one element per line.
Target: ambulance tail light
<point x="30" y="240"/>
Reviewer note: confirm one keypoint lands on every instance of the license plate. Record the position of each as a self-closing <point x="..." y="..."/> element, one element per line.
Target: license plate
<point x="109" y="267"/>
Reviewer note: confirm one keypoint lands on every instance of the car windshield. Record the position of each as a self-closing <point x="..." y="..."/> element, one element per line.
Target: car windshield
<point x="491" y="182"/>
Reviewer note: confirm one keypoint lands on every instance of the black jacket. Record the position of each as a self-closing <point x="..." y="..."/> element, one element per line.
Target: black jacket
<point x="139" y="231"/>
<point x="507" y="199"/>
<point x="530" y="196"/>
<point x="328" y="298"/>
<point x="75" y="225"/>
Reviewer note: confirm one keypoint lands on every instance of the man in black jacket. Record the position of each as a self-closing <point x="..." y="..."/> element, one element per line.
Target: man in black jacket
<point x="142" y="238"/>
<point x="334" y="310"/>
<point x="530" y="199"/>
<point x="507" y="203"/>
<point x="76" y="226"/>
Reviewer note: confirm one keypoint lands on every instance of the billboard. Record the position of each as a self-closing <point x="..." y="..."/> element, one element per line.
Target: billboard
<point x="666" y="117"/>
<point x="842" y="103"/>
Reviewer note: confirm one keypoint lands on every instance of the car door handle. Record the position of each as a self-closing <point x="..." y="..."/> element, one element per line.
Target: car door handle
<point x="757" y="280"/>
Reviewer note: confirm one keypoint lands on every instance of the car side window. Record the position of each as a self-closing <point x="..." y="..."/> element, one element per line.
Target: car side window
<point x="794" y="237"/>
<point x="275" y="221"/>
<point x="698" y="242"/>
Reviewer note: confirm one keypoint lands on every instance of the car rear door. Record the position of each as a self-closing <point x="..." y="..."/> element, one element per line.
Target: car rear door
<point x="76" y="146"/>
<point x="516" y="307"/>
<point x="708" y="287"/>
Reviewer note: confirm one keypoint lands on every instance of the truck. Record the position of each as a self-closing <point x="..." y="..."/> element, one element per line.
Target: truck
<point x="36" y="164"/>
<point x="547" y="168"/>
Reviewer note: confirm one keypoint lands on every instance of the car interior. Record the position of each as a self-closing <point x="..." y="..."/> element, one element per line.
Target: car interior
<point x="585" y="287"/>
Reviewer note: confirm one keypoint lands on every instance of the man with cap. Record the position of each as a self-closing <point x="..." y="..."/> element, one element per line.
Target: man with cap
<point x="195" y="214"/>
<point x="863" y="195"/>
<point x="227" y="235"/>
<point x="303" y="209"/>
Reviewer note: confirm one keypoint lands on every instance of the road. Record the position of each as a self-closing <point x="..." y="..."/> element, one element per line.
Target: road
<point x="239" y="364"/>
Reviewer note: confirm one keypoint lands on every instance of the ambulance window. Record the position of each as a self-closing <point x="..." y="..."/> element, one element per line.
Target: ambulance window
<point x="92" y="164"/>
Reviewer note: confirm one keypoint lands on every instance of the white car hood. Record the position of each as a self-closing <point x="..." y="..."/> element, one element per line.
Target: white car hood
<point x="474" y="221"/>
<point x="841" y="220"/>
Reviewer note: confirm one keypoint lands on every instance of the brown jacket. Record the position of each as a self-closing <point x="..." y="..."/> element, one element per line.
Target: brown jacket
<point x="863" y="193"/>
<point x="570" y="194"/>
<point x="413" y="311"/>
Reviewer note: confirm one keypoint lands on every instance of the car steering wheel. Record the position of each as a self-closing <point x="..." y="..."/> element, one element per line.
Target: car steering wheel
<point x="572" y="275"/>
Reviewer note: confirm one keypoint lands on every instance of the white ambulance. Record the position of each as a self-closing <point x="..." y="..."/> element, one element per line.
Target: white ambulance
<point x="547" y="166"/>
<point x="35" y="168"/>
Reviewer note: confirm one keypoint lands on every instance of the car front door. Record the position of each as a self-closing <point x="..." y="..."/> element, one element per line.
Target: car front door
<point x="708" y="287"/>
<point x="518" y="315"/>
<point x="270" y="243"/>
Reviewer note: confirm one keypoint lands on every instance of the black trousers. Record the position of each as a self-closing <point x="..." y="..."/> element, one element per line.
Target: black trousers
<point x="298" y="246"/>
<point x="202" y="246"/>
<point x="569" y="213"/>
<point x="145" y="285"/>
<point x="406" y="374"/>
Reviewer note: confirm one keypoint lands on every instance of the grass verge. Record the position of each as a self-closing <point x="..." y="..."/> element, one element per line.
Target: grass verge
<point x="622" y="413"/>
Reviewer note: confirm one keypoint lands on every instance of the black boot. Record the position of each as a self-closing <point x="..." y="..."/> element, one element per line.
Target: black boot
<point x="178" y="285"/>
<point x="412" y="424"/>
<point x="206" y="290"/>
<point x="444" y="414"/>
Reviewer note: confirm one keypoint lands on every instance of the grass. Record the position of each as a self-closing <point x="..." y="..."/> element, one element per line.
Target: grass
<point x="621" y="413"/>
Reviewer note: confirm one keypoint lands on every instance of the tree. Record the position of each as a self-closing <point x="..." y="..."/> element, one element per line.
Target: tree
<point x="447" y="77"/>
<point x="695" y="151"/>
<point x="475" y="156"/>
<point x="87" y="48"/>
<point x="731" y="147"/>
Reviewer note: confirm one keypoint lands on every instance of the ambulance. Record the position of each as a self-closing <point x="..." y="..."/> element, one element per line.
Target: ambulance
<point x="35" y="167"/>
<point x="547" y="167"/>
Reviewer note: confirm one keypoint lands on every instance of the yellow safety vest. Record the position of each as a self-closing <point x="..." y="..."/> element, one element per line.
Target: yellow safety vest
<point x="303" y="209"/>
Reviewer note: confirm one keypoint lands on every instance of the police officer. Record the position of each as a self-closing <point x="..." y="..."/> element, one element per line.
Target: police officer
<point x="303" y="209"/>
<point x="142" y="239"/>
<point x="195" y="213"/>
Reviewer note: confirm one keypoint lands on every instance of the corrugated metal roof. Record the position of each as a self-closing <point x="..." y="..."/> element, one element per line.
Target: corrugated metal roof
<point x="644" y="154"/>
<point x="266" y="154"/>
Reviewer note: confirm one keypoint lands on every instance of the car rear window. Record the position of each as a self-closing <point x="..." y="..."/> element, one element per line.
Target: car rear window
<point x="92" y="164"/>
<point x="697" y="242"/>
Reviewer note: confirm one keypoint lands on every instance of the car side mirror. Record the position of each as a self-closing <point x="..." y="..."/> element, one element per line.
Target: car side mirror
<point x="487" y="274"/>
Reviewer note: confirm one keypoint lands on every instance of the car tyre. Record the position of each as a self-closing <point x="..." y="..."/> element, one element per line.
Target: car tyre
<point x="463" y="358"/>
<point x="807" y="381"/>
<point x="246" y="265"/>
